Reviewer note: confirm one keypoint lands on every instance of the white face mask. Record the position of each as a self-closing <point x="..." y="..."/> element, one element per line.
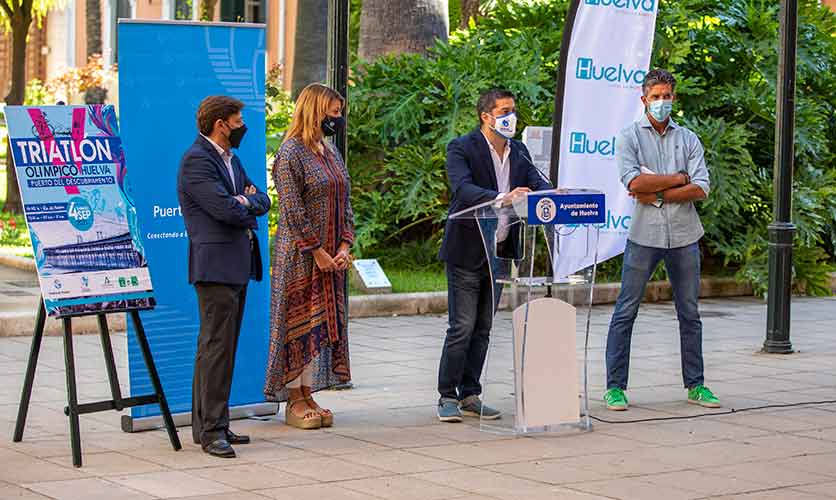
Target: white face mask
<point x="506" y="125"/>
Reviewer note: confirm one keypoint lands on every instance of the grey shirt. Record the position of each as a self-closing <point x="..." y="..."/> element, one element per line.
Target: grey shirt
<point x="673" y="225"/>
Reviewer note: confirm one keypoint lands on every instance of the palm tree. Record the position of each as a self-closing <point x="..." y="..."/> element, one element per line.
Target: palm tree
<point x="94" y="95"/>
<point x="399" y="26"/>
<point x="310" y="53"/>
<point x="17" y="16"/>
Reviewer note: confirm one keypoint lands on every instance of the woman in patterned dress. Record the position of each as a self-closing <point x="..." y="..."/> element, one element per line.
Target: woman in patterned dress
<point x="308" y="334"/>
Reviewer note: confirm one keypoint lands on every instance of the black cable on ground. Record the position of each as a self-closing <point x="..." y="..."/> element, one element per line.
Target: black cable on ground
<point x="712" y="414"/>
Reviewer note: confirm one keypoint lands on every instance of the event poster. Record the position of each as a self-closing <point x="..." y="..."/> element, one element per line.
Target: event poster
<point x="71" y="171"/>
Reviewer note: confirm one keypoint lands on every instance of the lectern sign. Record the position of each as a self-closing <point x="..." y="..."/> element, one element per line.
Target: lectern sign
<point x="71" y="171"/>
<point x="566" y="208"/>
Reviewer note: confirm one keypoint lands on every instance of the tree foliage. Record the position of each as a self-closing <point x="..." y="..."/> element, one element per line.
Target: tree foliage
<point x="406" y="109"/>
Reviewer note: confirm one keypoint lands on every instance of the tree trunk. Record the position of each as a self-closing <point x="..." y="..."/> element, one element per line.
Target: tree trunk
<point x="310" y="55"/>
<point x="207" y="10"/>
<point x="401" y="26"/>
<point x="469" y="8"/>
<point x="94" y="95"/>
<point x="20" y="23"/>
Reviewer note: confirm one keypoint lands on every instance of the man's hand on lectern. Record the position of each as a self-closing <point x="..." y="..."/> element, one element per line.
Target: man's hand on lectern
<point x="509" y="198"/>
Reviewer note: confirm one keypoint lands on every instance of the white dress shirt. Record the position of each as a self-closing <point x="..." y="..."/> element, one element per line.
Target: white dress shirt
<point x="502" y="168"/>
<point x="226" y="156"/>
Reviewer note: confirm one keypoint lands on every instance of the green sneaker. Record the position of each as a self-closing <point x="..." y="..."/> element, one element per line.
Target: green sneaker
<point x="616" y="399"/>
<point x="702" y="395"/>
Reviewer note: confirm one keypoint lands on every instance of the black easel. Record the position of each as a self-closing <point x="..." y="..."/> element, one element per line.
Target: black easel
<point x="118" y="403"/>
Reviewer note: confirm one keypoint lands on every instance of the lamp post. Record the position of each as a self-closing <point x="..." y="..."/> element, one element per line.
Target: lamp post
<point x="338" y="58"/>
<point x="782" y="230"/>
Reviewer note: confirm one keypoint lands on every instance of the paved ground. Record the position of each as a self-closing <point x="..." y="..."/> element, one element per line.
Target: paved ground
<point x="387" y="444"/>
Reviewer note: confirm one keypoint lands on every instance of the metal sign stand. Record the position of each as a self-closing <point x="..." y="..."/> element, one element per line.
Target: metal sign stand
<point x="118" y="403"/>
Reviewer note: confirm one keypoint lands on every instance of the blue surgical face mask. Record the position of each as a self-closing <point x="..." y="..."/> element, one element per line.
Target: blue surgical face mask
<point x="660" y="110"/>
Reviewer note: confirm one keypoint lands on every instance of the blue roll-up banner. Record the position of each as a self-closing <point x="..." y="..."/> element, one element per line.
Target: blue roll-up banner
<point x="165" y="70"/>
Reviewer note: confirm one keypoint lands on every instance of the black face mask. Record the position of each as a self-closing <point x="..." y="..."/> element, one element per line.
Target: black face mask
<point x="236" y="134"/>
<point x="331" y="126"/>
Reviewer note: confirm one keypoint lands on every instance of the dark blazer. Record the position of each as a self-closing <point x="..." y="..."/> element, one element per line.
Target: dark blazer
<point x="472" y="179"/>
<point x="219" y="227"/>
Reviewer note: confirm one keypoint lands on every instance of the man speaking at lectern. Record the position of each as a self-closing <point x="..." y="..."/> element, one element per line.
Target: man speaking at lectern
<point x="661" y="163"/>
<point x="486" y="164"/>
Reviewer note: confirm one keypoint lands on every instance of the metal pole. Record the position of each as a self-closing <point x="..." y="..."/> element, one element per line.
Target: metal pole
<point x="338" y="17"/>
<point x="338" y="58"/>
<point x="782" y="230"/>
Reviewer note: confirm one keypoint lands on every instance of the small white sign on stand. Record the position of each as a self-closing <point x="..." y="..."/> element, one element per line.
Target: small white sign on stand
<point x="371" y="277"/>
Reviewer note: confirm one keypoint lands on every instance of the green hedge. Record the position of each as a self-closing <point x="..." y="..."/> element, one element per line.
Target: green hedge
<point x="724" y="52"/>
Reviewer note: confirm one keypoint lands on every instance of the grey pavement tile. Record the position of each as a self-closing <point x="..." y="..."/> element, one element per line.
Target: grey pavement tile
<point x="20" y="469"/>
<point x="250" y="477"/>
<point x="682" y="432"/>
<point x="704" y="483"/>
<point x="553" y="471"/>
<point x="486" y="482"/>
<point x="13" y="492"/>
<point x="825" y="490"/>
<point x="791" y="445"/>
<point x="190" y="457"/>
<point x="109" y="464"/>
<point x="828" y="434"/>
<point x="402" y="488"/>
<point x="708" y="454"/>
<point x="768" y="475"/>
<point x="779" y="421"/>
<point x="405" y="437"/>
<point x="628" y="463"/>
<point x="238" y="495"/>
<point x="87" y="489"/>
<point x="781" y="494"/>
<point x="399" y="462"/>
<point x="51" y="447"/>
<point x="330" y="444"/>
<point x="634" y="488"/>
<point x="329" y="469"/>
<point x="817" y="464"/>
<point x="171" y="484"/>
<point x="330" y="491"/>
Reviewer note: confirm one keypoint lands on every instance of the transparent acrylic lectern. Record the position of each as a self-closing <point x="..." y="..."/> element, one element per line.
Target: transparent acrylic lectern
<point x="532" y="372"/>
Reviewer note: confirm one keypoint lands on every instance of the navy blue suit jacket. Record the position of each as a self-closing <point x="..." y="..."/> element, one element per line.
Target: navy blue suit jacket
<point x="472" y="178"/>
<point x="219" y="227"/>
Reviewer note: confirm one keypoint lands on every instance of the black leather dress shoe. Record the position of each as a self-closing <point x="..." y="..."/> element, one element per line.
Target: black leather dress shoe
<point x="220" y="448"/>
<point x="233" y="438"/>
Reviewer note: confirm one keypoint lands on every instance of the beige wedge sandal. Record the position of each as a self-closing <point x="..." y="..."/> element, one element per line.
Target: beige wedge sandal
<point x="310" y="420"/>
<point x="327" y="416"/>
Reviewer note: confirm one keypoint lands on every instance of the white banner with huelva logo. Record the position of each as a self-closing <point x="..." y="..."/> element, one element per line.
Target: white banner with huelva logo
<point x="607" y="60"/>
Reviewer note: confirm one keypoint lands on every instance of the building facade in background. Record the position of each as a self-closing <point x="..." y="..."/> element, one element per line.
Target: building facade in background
<point x="60" y="42"/>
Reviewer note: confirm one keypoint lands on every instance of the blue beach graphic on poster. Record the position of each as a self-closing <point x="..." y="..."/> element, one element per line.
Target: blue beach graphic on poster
<point x="82" y="221"/>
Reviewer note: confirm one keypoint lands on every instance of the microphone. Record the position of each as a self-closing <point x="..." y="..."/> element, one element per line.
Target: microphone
<point x="542" y="176"/>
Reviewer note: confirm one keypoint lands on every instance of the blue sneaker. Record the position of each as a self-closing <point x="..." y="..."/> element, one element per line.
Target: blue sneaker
<point x="448" y="410"/>
<point x="472" y="407"/>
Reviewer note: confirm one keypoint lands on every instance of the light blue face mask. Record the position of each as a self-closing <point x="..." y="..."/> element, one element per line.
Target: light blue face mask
<point x="660" y="110"/>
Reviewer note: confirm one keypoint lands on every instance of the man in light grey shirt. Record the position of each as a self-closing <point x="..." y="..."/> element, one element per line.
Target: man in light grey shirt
<point x="662" y="165"/>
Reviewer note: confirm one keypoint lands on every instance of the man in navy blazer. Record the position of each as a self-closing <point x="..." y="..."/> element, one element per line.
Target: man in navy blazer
<point x="486" y="164"/>
<point x="220" y="205"/>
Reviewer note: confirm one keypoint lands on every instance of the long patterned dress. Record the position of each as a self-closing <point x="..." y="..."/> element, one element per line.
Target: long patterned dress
<point x="308" y="307"/>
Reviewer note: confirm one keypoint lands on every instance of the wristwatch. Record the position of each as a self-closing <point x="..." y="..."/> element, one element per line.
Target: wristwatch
<point x="687" y="177"/>
<point x="660" y="199"/>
